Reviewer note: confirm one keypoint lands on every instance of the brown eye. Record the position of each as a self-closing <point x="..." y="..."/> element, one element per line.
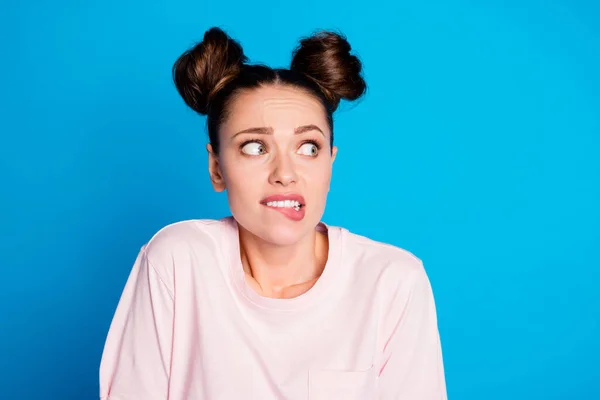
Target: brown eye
<point x="254" y="149"/>
<point x="309" y="149"/>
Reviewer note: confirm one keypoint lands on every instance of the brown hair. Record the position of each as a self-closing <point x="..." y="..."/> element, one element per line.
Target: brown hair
<point x="209" y="75"/>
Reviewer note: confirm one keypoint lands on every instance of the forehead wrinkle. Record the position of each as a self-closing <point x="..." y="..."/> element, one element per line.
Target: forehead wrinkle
<point x="293" y="105"/>
<point x="286" y="110"/>
<point x="291" y="114"/>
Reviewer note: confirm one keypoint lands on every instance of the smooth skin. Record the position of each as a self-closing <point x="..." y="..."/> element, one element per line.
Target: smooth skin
<point x="276" y="140"/>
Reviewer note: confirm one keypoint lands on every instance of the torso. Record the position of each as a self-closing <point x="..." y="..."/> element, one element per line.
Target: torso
<point x="230" y="342"/>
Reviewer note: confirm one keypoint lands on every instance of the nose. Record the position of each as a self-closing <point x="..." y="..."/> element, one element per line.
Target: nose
<point x="283" y="171"/>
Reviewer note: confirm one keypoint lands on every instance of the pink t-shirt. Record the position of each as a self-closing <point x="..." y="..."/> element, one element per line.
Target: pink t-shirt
<point x="189" y="327"/>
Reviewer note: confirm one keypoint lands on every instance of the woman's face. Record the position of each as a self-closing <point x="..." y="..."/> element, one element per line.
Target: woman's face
<point x="275" y="162"/>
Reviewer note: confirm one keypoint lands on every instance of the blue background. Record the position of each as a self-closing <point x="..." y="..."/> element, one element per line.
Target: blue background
<point x="477" y="148"/>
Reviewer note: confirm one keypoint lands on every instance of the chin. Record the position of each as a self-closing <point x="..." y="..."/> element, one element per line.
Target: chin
<point x="282" y="235"/>
<point x="278" y="230"/>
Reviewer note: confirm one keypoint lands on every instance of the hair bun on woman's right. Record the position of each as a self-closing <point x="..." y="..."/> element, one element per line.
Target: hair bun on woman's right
<point x="200" y="72"/>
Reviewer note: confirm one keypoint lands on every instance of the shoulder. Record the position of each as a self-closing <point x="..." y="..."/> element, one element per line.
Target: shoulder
<point x="390" y="265"/>
<point x="183" y="233"/>
<point x="374" y="252"/>
<point x="186" y="241"/>
<point x="395" y="274"/>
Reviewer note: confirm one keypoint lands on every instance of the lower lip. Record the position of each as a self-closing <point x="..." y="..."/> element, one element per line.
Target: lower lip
<point x="290" y="212"/>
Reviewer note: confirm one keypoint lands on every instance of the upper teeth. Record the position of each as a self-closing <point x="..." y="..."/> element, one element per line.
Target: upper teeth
<point x="285" y="203"/>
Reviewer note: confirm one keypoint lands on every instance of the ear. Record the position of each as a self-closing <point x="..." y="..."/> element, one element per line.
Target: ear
<point x="214" y="170"/>
<point x="333" y="154"/>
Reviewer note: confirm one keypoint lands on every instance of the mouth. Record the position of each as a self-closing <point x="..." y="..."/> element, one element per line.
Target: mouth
<point x="291" y="205"/>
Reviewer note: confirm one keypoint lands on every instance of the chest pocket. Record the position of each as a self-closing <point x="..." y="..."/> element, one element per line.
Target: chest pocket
<point x="342" y="385"/>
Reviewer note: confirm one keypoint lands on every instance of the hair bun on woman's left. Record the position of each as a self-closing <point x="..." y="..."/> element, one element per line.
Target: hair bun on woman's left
<point x="200" y="72"/>
<point x="326" y="59"/>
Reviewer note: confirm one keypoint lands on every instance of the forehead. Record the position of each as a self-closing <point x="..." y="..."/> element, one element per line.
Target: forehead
<point x="279" y="107"/>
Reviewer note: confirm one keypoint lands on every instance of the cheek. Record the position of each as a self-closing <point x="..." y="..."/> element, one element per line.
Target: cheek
<point x="318" y="176"/>
<point x="243" y="178"/>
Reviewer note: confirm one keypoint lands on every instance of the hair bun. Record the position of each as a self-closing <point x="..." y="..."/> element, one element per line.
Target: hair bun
<point x="200" y="72"/>
<point x="325" y="59"/>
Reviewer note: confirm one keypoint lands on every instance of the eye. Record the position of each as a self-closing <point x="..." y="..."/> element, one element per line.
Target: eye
<point x="309" y="149"/>
<point x="253" y="148"/>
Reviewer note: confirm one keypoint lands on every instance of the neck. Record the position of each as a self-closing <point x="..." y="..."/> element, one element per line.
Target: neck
<point x="283" y="271"/>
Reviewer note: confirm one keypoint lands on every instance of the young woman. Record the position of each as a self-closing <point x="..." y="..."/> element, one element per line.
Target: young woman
<point x="272" y="303"/>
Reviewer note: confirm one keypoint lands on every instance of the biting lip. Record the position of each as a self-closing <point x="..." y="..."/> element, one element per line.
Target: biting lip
<point x="284" y="197"/>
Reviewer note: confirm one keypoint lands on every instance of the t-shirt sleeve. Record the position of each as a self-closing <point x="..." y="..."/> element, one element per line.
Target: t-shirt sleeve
<point x="137" y="353"/>
<point x="412" y="365"/>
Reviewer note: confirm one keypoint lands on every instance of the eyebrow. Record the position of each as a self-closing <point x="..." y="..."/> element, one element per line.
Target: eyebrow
<point x="269" y="130"/>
